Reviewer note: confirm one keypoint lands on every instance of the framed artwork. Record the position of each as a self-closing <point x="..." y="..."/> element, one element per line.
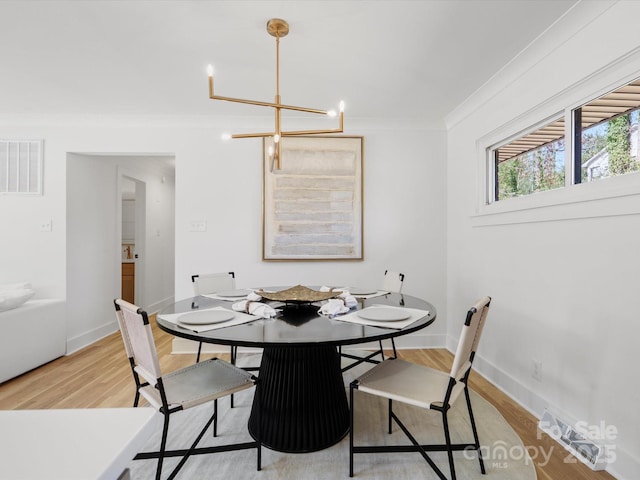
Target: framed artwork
<point x="312" y="205"/>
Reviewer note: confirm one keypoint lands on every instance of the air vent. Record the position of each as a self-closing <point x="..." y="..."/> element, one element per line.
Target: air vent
<point x="581" y="447"/>
<point x="21" y="167"/>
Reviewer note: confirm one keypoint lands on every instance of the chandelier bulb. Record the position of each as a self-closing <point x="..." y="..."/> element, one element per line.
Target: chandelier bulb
<point x="331" y="113"/>
<point x="210" y="70"/>
<point x="270" y="151"/>
<point x="276" y="138"/>
<point x="341" y="106"/>
<point x="226" y="136"/>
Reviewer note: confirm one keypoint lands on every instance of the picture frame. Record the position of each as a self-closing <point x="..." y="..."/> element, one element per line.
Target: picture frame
<point x="313" y="204"/>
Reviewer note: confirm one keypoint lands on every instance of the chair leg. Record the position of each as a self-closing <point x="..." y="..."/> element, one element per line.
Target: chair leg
<point x="393" y="346"/>
<point x="421" y="449"/>
<point x="215" y="417"/>
<point x="475" y="430"/>
<point x="199" y="351"/>
<point x="136" y="399"/>
<point x="234" y="353"/>
<point x="163" y="445"/>
<point x="390" y="414"/>
<point x="351" y="421"/>
<point x="447" y="437"/>
<point x="191" y="449"/>
<point x="258" y="394"/>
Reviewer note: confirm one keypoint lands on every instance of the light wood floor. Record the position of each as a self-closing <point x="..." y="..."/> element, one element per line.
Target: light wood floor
<point x="99" y="376"/>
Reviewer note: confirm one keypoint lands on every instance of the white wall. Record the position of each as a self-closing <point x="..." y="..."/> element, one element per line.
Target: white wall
<point x="564" y="278"/>
<point x="404" y="219"/>
<point x="28" y="254"/>
<point x="221" y="183"/>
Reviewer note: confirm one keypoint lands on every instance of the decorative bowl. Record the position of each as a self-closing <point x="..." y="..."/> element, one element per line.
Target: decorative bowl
<point x="298" y="294"/>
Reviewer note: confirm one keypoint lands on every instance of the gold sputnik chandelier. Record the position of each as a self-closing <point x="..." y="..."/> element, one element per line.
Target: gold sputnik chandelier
<point x="278" y="28"/>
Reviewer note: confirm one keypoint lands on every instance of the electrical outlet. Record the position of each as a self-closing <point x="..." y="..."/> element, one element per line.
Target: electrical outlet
<point x="536" y="369"/>
<point x="45" y="225"/>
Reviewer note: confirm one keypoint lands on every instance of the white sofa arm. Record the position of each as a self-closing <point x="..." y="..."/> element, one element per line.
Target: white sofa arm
<point x="32" y="334"/>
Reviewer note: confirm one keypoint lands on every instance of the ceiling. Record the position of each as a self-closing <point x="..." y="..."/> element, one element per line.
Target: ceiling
<point x="412" y="60"/>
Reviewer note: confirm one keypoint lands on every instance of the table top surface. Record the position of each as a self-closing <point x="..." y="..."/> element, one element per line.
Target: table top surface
<point x="297" y="325"/>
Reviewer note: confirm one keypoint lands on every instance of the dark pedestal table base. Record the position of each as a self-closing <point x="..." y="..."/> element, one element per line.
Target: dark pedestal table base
<point x="304" y="404"/>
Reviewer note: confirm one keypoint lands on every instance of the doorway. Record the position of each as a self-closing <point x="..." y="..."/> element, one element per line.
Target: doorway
<point x="94" y="238"/>
<point x="133" y="235"/>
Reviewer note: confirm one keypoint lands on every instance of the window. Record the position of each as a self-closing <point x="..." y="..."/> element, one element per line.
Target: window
<point x="531" y="163"/>
<point x="20" y="166"/>
<point x="608" y="132"/>
<point x="605" y="144"/>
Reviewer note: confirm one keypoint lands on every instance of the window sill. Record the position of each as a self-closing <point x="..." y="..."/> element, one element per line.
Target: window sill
<point x="603" y="198"/>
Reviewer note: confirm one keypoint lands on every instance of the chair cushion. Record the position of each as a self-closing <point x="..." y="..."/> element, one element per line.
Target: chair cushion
<point x="199" y="383"/>
<point x="409" y="383"/>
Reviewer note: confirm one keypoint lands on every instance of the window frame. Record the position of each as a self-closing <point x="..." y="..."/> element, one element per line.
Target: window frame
<point x="573" y="200"/>
<point x="493" y="152"/>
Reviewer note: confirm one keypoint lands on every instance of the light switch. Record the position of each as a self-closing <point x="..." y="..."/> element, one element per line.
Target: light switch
<point x="198" y="226"/>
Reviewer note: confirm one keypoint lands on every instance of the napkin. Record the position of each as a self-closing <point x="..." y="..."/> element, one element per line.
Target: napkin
<point x="253" y="306"/>
<point x="347" y="299"/>
<point x="333" y="307"/>
<point x="336" y="306"/>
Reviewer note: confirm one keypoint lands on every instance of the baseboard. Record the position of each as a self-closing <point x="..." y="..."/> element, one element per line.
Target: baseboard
<point x="419" y="340"/>
<point x="87" y="338"/>
<point x="181" y="346"/>
<point x="159" y="306"/>
<point x="185" y="346"/>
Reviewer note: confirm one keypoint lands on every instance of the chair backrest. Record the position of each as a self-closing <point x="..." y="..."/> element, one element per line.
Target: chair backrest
<point x="213" y="282"/>
<point x="392" y="281"/>
<point x="469" y="338"/>
<point x="138" y="340"/>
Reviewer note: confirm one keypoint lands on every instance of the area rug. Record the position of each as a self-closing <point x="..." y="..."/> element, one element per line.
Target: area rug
<point x="504" y="454"/>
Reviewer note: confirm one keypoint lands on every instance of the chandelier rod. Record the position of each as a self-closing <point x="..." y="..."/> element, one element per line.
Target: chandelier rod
<point x="278" y="28"/>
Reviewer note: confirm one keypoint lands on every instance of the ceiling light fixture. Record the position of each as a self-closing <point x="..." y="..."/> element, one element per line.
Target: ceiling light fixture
<point x="278" y="28"/>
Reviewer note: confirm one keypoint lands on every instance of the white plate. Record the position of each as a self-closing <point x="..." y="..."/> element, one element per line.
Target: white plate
<point x="233" y="293"/>
<point x="206" y="317"/>
<point x="361" y="291"/>
<point x="384" y="314"/>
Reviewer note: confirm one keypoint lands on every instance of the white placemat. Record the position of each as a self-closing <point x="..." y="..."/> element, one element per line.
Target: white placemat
<point x="377" y="293"/>
<point x="416" y="314"/>
<point x="239" y="318"/>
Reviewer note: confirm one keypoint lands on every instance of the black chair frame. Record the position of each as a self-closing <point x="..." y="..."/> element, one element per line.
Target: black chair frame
<point x="415" y="445"/>
<point x="234" y="349"/>
<point x="193" y="450"/>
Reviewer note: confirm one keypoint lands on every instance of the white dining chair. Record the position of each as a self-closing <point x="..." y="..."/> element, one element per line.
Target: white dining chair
<point x="182" y="389"/>
<point x="212" y="283"/>
<point x="426" y="388"/>
<point x="392" y="282"/>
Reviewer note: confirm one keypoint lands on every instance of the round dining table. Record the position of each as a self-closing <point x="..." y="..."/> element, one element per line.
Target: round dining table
<point x="303" y="402"/>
